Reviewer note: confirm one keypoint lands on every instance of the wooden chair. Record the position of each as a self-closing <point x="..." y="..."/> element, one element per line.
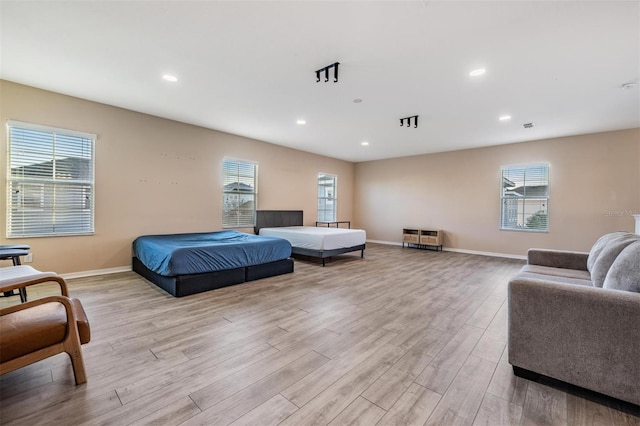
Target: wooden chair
<point x="41" y="328"/>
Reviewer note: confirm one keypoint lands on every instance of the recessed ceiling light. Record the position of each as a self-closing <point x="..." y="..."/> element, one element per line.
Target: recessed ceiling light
<point x="364" y="143"/>
<point x="169" y="77"/>
<point x="477" y="72"/>
<point x="301" y="122"/>
<point x="504" y="118"/>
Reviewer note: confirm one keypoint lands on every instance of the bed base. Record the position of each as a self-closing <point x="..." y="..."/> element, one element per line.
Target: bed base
<point x="184" y="285"/>
<point x="324" y="254"/>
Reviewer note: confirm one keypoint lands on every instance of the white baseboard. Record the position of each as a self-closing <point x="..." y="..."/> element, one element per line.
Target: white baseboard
<point x="95" y="272"/>
<point x="481" y="253"/>
<point x="487" y="253"/>
<point x="388" y="243"/>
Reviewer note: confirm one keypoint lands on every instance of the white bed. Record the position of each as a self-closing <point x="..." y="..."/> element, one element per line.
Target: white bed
<point x="311" y="241"/>
<point x="318" y="238"/>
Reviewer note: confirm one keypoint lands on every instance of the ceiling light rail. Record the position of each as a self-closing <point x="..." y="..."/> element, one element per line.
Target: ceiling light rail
<point x="415" y="121"/>
<point x="326" y="72"/>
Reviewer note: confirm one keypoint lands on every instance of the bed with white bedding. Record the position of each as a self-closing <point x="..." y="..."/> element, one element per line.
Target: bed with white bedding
<point x="310" y="241"/>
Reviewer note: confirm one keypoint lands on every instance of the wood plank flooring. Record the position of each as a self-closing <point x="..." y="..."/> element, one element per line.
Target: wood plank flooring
<point x="401" y="337"/>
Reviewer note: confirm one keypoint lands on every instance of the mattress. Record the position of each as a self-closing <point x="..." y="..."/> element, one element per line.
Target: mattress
<point x="317" y="238"/>
<point x="183" y="254"/>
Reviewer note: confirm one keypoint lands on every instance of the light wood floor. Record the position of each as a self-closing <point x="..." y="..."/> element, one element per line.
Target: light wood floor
<point x="403" y="336"/>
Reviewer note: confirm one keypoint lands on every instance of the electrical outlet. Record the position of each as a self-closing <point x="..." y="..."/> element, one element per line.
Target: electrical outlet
<point x="28" y="258"/>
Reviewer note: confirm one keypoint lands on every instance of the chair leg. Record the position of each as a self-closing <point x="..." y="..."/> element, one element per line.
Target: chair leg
<point x="73" y="348"/>
<point x="77" y="363"/>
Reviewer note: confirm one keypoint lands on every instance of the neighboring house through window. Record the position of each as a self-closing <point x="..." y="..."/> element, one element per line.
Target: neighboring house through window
<point x="327" y="199"/>
<point x="525" y="198"/>
<point x="239" y="193"/>
<point x="50" y="181"/>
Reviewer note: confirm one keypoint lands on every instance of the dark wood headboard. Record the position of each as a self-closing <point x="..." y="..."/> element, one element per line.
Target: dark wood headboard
<point x="277" y="218"/>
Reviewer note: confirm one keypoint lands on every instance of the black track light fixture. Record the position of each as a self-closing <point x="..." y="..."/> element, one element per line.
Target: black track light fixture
<point x="408" y="120"/>
<point x="326" y="72"/>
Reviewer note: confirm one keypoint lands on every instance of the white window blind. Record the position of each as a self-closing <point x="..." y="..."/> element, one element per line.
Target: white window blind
<point x="525" y="198"/>
<point x="50" y="181"/>
<point x="327" y="200"/>
<point x="239" y="193"/>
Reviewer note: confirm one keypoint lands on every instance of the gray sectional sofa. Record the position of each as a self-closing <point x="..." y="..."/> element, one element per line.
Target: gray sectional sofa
<point x="575" y="317"/>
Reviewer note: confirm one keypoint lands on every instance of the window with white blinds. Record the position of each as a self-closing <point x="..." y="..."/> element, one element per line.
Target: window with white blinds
<point x="525" y="198"/>
<point x="50" y="181"/>
<point x="239" y="193"/>
<point x="327" y="200"/>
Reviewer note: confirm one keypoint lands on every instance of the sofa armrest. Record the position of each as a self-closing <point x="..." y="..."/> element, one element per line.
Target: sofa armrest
<point x="558" y="258"/>
<point x="582" y="335"/>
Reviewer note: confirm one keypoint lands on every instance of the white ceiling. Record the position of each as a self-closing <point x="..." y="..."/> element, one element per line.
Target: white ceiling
<point x="248" y="68"/>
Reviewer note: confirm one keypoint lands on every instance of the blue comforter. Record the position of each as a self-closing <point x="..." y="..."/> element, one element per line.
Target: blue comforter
<point x="183" y="254"/>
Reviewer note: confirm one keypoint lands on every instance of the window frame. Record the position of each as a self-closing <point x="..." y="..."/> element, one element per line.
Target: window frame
<point x="333" y="199"/>
<point x="523" y="200"/>
<point x="59" y="194"/>
<point x="225" y="193"/>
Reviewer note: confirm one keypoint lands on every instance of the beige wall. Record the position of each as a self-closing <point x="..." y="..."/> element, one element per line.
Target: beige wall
<point x="158" y="176"/>
<point x="594" y="189"/>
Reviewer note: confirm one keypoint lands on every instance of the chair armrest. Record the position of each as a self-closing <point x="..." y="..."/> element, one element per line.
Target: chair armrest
<point x="558" y="258"/>
<point x="582" y="335"/>
<point x="64" y="300"/>
<point x="39" y="278"/>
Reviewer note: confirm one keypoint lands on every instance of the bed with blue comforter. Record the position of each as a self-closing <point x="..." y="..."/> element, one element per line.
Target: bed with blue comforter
<point x="184" y="264"/>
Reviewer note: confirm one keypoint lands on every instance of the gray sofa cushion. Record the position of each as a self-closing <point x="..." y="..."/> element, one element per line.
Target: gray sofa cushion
<point x="559" y="272"/>
<point x="604" y="252"/>
<point x="624" y="273"/>
<point x="552" y="279"/>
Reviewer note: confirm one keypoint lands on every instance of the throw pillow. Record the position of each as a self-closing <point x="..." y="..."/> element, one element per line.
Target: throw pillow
<point x="624" y="273"/>
<point x="608" y="254"/>
<point x="599" y="245"/>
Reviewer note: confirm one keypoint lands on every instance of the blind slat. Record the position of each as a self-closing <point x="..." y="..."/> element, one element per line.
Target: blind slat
<point x="239" y="193"/>
<point x="327" y="199"/>
<point x="525" y="198"/>
<point x="50" y="182"/>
